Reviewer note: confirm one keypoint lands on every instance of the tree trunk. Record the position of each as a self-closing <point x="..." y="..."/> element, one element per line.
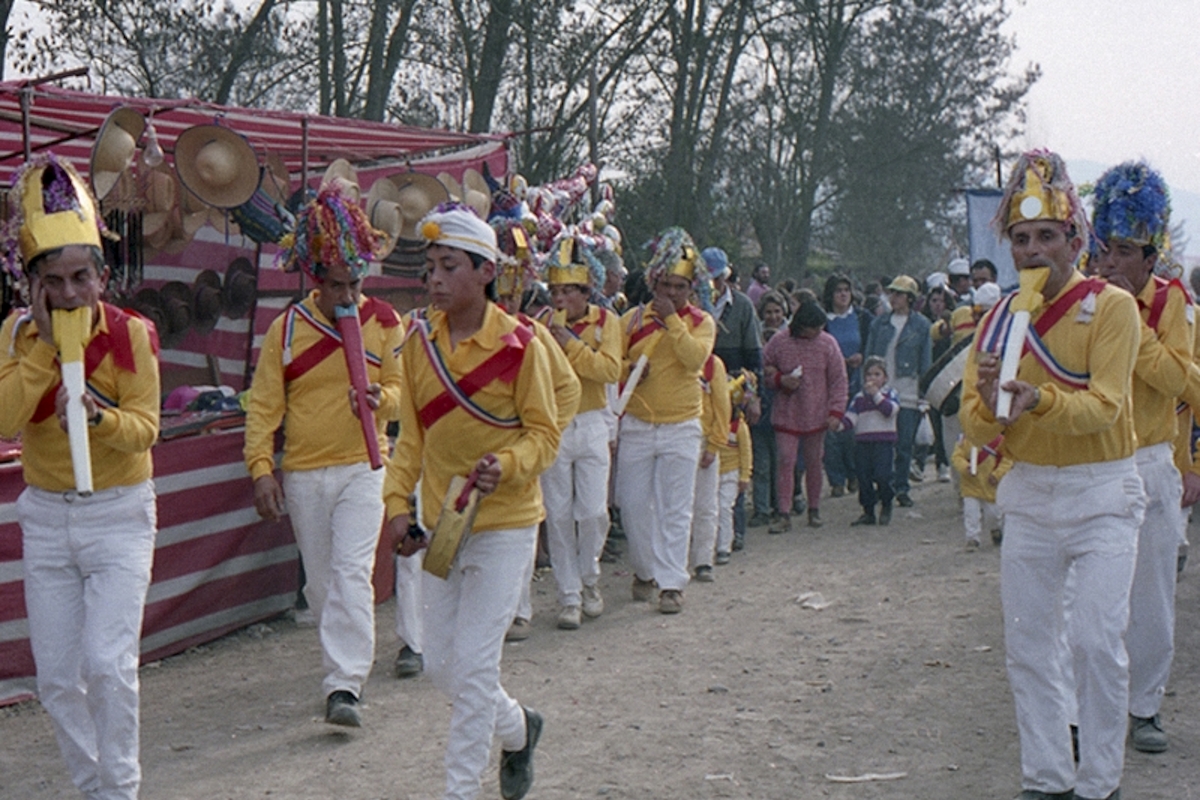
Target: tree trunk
<point x="241" y="51"/>
<point x="485" y="83"/>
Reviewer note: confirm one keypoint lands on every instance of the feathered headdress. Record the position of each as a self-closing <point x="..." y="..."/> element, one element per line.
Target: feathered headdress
<point x="1039" y="188"/>
<point x="516" y="266"/>
<point x="1132" y="204"/>
<point x="331" y="230"/>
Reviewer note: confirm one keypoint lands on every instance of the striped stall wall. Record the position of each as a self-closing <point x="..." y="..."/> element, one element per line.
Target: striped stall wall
<point x="217" y="566"/>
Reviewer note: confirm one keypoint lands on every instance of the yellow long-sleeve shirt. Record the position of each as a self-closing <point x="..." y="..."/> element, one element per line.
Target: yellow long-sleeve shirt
<point x="1161" y="371"/>
<point x="737" y="452"/>
<point x="458" y="440"/>
<point x="120" y="444"/>
<point x="716" y="404"/>
<point x="567" y="389"/>
<point x="669" y="391"/>
<point x="1189" y="399"/>
<point x="1070" y="426"/>
<point x="995" y="463"/>
<point x="962" y="324"/>
<point x="595" y="355"/>
<point x="320" y="429"/>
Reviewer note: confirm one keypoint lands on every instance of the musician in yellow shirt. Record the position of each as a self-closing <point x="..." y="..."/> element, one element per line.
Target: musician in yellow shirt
<point x="1072" y="501"/>
<point x="86" y="557"/>
<point x="332" y="496"/>
<point x="660" y="439"/>
<point x="576" y="484"/>
<point x="1131" y="213"/>
<point x="477" y="399"/>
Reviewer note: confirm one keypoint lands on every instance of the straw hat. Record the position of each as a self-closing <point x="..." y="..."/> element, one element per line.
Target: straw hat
<point x="115" y="147"/>
<point x="217" y="164"/>
<point x="206" y="300"/>
<point x="479" y="194"/>
<point x="342" y="174"/>
<point x="383" y="210"/>
<point x="417" y="195"/>
<point x="452" y="186"/>
<point x="241" y="285"/>
<point x="276" y="179"/>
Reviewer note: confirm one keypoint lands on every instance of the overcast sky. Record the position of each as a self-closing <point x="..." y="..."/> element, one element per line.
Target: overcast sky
<point x="1120" y="80"/>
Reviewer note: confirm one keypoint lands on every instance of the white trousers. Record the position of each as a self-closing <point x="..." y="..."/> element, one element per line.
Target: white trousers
<point x="409" y="619"/>
<point x="336" y="514"/>
<point x="727" y="494"/>
<point x="656" y="483"/>
<point x="1080" y="520"/>
<point x="1151" y="637"/>
<point x="979" y="515"/>
<point x="466" y="617"/>
<point x="575" y="490"/>
<point x="87" y="568"/>
<point x="705" y="505"/>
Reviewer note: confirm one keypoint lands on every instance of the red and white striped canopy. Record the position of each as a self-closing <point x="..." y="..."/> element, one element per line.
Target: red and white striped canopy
<point x="66" y="122"/>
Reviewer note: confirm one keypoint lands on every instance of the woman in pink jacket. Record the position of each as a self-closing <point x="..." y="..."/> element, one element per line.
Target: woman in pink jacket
<point x="807" y="371"/>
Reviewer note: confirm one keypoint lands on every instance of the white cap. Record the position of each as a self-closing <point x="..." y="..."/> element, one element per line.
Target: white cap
<point x="935" y="280"/>
<point x="987" y="295"/>
<point x="959" y="266"/>
<point x="457" y="225"/>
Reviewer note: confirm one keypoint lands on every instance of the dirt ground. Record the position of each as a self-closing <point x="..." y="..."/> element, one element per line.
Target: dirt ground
<point x="746" y="694"/>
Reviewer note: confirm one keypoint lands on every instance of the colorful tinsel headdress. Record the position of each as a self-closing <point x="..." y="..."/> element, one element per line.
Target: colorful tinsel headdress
<point x="332" y="230"/>
<point x="55" y="209"/>
<point x="672" y="252"/>
<point x="1132" y="203"/>
<point x="1039" y="188"/>
<point x="573" y="258"/>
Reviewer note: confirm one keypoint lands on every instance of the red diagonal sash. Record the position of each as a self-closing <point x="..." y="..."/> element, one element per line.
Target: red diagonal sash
<point x="646" y="330"/>
<point x="1162" y="291"/>
<point x="116" y="341"/>
<point x="1056" y="310"/>
<point x="579" y="327"/>
<point x="503" y="365"/>
<point x="327" y="345"/>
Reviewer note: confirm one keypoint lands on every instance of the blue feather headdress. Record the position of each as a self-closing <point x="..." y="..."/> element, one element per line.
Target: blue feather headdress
<point x="1132" y="203"/>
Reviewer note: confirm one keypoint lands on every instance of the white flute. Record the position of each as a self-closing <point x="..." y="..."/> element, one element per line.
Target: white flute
<point x="71" y="327"/>
<point x="1028" y="299"/>
<point x="635" y="375"/>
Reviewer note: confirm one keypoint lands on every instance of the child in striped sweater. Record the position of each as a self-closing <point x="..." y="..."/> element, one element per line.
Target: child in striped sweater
<point x="872" y="415"/>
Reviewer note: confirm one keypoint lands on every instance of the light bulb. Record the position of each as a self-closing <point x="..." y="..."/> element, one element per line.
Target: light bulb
<point x="153" y="154"/>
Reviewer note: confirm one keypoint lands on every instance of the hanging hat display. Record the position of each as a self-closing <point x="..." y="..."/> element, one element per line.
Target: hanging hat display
<point x="1132" y="204"/>
<point x="206" y="300"/>
<point x="217" y="164"/>
<point x="341" y="173"/>
<point x="417" y="195"/>
<point x="478" y="194"/>
<point x="239" y="288"/>
<point x="115" y="148"/>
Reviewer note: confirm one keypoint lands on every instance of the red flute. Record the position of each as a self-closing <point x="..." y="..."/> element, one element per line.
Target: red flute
<point x="356" y="362"/>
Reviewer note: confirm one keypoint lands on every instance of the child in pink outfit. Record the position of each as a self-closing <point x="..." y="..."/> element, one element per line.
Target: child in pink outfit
<point x="808" y="373"/>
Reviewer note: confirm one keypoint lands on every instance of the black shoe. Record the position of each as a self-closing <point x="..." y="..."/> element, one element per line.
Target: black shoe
<point x="1033" y="794"/>
<point x="516" y="767"/>
<point x="409" y="663"/>
<point x="341" y="708"/>
<point x="851" y="485"/>
<point x="1147" y="734"/>
<point x="1115" y="795"/>
<point x="885" y="515"/>
<point x="867" y="518"/>
<point x="903" y="500"/>
<point x="739" y="543"/>
<point x="758" y="519"/>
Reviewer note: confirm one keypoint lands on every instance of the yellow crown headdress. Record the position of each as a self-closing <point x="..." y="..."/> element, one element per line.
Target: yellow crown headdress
<point x="1039" y="189"/>
<point x="572" y="259"/>
<point x="514" y="267"/>
<point x="57" y="209"/>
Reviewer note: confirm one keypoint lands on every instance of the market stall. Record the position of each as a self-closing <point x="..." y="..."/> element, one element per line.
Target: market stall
<point x="217" y="566"/>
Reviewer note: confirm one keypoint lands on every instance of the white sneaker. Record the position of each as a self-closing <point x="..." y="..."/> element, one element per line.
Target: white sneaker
<point x="593" y="603"/>
<point x="943" y="474"/>
<point x="568" y="618"/>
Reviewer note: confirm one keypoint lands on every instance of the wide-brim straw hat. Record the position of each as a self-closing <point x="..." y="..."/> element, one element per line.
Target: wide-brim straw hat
<point x="239" y="289"/>
<point x="342" y="174"/>
<point x="383" y="210"/>
<point x="416" y="195"/>
<point x="478" y="193"/>
<point x="114" y="149"/>
<point x="216" y="164"/>
<point x="206" y="300"/>
<point x="276" y="179"/>
<point x="452" y="186"/>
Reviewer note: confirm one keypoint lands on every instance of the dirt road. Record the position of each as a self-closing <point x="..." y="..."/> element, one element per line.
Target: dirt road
<point x="746" y="694"/>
